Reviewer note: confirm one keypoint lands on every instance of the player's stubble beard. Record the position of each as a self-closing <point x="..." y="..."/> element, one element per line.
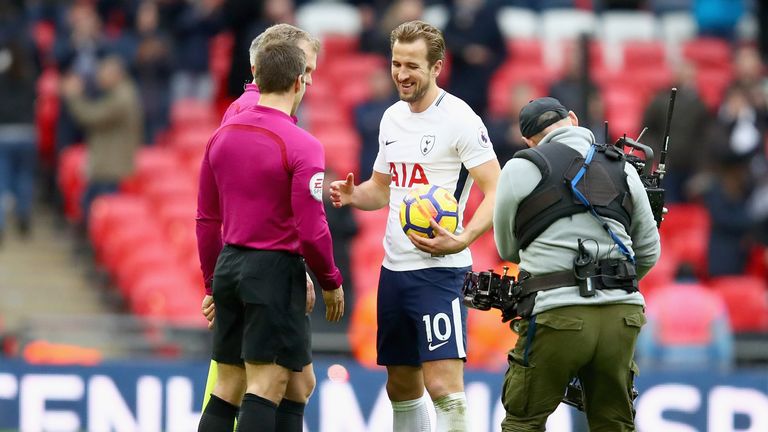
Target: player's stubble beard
<point x="418" y="94"/>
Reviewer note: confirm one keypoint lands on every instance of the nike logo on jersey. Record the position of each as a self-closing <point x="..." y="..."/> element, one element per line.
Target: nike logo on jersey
<point x="386" y="143"/>
<point x="432" y="348"/>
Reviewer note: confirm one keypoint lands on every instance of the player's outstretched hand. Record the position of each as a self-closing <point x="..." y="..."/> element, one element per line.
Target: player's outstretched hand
<point x="209" y="310"/>
<point x="334" y="304"/>
<point x="443" y="243"/>
<point x="341" y="191"/>
<point x="310" y="295"/>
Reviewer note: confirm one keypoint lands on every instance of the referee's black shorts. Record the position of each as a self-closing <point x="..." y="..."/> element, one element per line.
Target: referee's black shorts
<point x="260" y="299"/>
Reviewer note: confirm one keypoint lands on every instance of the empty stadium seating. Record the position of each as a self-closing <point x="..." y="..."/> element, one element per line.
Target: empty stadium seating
<point x="747" y="300"/>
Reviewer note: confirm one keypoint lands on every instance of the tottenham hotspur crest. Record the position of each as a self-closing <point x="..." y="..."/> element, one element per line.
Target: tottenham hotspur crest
<point x="427" y="143"/>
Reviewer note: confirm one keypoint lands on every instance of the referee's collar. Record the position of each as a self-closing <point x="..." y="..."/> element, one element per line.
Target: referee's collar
<point x="274" y="112"/>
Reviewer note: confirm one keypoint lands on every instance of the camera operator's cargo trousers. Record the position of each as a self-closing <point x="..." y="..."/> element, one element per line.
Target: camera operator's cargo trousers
<point x="595" y="343"/>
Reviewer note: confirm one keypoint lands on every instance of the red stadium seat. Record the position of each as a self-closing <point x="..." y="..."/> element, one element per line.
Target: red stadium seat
<point x="644" y="55"/>
<point x="326" y="115"/>
<point x="569" y="49"/>
<point x="151" y="162"/>
<point x="354" y="93"/>
<point x="167" y="295"/>
<point x="71" y="180"/>
<point x="525" y="51"/>
<point x="149" y="258"/>
<point x="124" y="239"/>
<point x="47" y="114"/>
<point x="335" y="45"/>
<point x="171" y="188"/>
<point x="220" y="56"/>
<point x="191" y="141"/>
<point x="342" y="148"/>
<point x="511" y="74"/>
<point x="44" y="35"/>
<point x="623" y="110"/>
<point x="747" y="301"/>
<point x="354" y="67"/>
<point x="484" y="253"/>
<point x="321" y="92"/>
<point x="685" y="232"/>
<point x="689" y="325"/>
<point x="191" y="112"/>
<point x="707" y="52"/>
<point x="711" y="84"/>
<point x="111" y="211"/>
<point x="662" y="274"/>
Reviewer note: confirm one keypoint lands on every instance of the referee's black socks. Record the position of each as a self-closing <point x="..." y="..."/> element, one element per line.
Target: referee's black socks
<point x="256" y="414"/>
<point x="290" y="416"/>
<point x="218" y="416"/>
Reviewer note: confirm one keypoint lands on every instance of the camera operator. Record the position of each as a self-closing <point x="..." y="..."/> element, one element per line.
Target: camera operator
<point x="576" y="218"/>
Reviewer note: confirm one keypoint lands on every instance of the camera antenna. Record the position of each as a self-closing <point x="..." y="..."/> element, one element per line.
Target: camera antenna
<point x="665" y="142"/>
<point x="642" y="132"/>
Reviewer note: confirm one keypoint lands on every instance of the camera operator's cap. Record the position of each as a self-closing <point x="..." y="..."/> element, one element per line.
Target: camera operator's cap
<point x="529" y="115"/>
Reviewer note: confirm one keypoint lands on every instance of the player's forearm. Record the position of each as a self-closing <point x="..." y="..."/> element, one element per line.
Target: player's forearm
<point x="481" y="221"/>
<point x="370" y="195"/>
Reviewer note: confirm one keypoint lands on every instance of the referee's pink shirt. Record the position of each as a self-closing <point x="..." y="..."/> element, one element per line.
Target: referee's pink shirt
<point x="253" y="163"/>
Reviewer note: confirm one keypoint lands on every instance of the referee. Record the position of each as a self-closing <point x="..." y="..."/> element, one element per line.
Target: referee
<point x="261" y="180"/>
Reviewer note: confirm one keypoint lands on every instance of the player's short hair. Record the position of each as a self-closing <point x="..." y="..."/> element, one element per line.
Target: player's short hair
<point x="277" y="66"/>
<point x="278" y="33"/>
<point x="412" y="31"/>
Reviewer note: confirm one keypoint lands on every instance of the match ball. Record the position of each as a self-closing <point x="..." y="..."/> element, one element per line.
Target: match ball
<point x="425" y="202"/>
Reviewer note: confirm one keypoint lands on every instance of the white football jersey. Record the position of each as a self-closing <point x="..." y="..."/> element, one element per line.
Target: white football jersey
<point x="436" y="146"/>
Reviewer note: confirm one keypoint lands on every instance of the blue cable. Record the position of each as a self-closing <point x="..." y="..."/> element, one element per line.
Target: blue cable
<point x="579" y="175"/>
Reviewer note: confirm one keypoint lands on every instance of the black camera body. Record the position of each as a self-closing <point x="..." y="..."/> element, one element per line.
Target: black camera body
<point x="486" y="290"/>
<point x="651" y="180"/>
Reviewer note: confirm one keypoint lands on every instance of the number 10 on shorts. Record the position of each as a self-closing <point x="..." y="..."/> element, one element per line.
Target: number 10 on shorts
<point x="439" y="328"/>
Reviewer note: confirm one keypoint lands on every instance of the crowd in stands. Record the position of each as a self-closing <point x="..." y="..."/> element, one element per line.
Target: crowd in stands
<point x="127" y="92"/>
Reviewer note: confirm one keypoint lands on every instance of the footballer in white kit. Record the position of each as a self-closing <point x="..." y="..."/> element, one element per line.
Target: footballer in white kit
<point x="437" y="146"/>
<point x="428" y="137"/>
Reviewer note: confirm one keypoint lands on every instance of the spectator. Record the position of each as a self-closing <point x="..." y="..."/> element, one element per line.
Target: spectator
<point x="745" y="123"/>
<point x="375" y="36"/>
<point x="762" y="28"/>
<point x="152" y="64"/>
<point x="748" y="74"/>
<point x="726" y="197"/>
<point x="239" y="17"/>
<point x="18" y="151"/>
<point x="505" y="132"/>
<point x="78" y="51"/>
<point x="473" y="37"/>
<point x="577" y="90"/>
<point x="112" y="124"/>
<point x="621" y="5"/>
<point x="193" y="29"/>
<point x="697" y="336"/>
<point x="686" y="137"/>
<point x="368" y="115"/>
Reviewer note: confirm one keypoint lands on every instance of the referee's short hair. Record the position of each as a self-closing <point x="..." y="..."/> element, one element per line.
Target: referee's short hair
<point x="281" y="33"/>
<point x="277" y="66"/>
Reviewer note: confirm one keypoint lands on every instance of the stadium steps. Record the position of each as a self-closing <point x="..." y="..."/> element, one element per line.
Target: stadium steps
<point x="41" y="276"/>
